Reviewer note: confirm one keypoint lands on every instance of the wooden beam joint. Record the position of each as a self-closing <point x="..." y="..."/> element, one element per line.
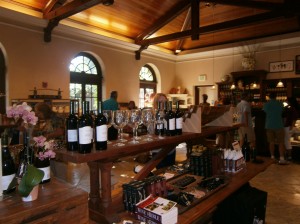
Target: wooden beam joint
<point x="138" y="52"/>
<point x="48" y="30"/>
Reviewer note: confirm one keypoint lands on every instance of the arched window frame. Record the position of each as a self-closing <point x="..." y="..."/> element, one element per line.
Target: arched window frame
<point x="87" y="77"/>
<point x="147" y="86"/>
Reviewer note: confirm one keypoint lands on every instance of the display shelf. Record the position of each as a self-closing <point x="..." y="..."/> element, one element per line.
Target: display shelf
<point x="185" y="100"/>
<point x="60" y="106"/>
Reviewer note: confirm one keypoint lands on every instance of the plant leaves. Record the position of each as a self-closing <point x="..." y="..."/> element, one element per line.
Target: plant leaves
<point x="32" y="177"/>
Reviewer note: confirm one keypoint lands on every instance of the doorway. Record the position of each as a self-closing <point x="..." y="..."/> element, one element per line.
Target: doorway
<point x="205" y="89"/>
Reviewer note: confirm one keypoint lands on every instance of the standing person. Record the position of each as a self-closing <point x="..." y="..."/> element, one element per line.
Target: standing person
<point x="290" y="116"/>
<point x="245" y="118"/>
<point x="111" y="103"/>
<point x="204" y="100"/>
<point x="274" y="127"/>
<point x="49" y="124"/>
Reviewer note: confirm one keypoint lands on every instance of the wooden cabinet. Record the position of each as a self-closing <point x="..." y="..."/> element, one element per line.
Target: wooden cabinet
<point x="291" y="87"/>
<point x="58" y="202"/>
<point x="250" y="81"/>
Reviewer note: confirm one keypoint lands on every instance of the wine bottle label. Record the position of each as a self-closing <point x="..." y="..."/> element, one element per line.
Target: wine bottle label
<point x="179" y="123"/>
<point x="85" y="135"/>
<point x="46" y="172"/>
<point x="172" y="124"/>
<point x="159" y="126"/>
<point x="101" y="133"/>
<point x="72" y="135"/>
<point x="6" y="180"/>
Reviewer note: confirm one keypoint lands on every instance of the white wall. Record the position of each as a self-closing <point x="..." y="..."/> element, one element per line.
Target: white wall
<point x="31" y="61"/>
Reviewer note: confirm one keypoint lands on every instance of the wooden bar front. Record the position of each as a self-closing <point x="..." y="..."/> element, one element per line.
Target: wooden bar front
<point x="101" y="204"/>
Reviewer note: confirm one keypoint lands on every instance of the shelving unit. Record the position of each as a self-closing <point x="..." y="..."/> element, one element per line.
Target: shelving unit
<point x="185" y="100"/>
<point x="251" y="81"/>
<point x="61" y="106"/>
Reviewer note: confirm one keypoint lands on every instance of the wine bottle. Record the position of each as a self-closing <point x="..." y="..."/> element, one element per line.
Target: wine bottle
<point x="85" y="124"/>
<point x="178" y="119"/>
<point x="71" y="129"/>
<point x="159" y="126"/>
<point x="246" y="149"/>
<point x="101" y="129"/>
<point x="8" y="167"/>
<point x="170" y="120"/>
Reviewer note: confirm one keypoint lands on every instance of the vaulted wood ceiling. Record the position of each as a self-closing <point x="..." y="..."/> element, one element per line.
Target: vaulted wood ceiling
<point x="174" y="24"/>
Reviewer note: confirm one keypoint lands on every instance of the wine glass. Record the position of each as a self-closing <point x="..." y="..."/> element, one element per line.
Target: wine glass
<point x="108" y="115"/>
<point x="120" y="119"/>
<point x="159" y="122"/>
<point x="147" y="119"/>
<point x="133" y="121"/>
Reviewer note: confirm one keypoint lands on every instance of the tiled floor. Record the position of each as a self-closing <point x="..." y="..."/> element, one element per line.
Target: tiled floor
<point x="282" y="182"/>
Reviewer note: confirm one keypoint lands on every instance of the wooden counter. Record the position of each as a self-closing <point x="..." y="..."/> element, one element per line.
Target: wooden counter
<point x="57" y="202"/>
<point x="101" y="204"/>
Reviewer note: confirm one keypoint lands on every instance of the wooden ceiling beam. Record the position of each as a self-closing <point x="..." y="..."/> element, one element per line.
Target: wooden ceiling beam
<point x="195" y="19"/>
<point x="213" y="28"/>
<point x="165" y="19"/>
<point x="71" y="8"/>
<point x="185" y="26"/>
<point x="53" y="4"/>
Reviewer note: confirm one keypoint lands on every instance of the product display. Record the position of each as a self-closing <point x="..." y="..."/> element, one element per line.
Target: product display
<point x="85" y="130"/>
<point x="71" y="129"/>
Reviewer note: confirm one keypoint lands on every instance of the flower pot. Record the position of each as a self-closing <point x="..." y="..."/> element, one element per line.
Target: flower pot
<point x="33" y="194"/>
<point x="44" y="165"/>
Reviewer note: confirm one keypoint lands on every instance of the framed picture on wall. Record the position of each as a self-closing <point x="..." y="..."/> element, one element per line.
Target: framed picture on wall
<point x="297" y="64"/>
<point x="282" y="66"/>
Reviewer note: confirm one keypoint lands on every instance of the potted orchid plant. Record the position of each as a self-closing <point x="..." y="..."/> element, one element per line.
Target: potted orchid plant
<point x="28" y="175"/>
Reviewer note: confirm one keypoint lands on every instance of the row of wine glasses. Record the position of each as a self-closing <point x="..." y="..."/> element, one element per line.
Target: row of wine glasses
<point x="120" y="118"/>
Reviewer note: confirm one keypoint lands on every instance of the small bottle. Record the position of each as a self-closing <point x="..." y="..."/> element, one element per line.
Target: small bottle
<point x="71" y="129"/>
<point x="85" y="125"/>
<point x="246" y="149"/>
<point x="178" y="119"/>
<point x="8" y="167"/>
<point x="170" y="120"/>
<point x="100" y="129"/>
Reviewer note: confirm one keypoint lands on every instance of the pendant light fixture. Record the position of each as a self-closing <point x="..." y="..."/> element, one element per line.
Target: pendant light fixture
<point x="280" y="83"/>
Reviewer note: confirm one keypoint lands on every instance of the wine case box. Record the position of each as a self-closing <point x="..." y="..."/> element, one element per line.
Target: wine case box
<point x="233" y="165"/>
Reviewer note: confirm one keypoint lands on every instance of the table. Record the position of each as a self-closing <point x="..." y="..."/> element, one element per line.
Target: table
<point x="101" y="204"/>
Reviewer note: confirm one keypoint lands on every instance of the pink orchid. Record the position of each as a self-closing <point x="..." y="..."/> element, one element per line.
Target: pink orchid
<point x="23" y="111"/>
<point x="40" y="141"/>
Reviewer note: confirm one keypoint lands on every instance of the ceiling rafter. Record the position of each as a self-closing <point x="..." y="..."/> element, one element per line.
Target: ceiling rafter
<point x="185" y="26"/>
<point x="213" y="28"/>
<point x="165" y="19"/>
<point x="195" y="19"/>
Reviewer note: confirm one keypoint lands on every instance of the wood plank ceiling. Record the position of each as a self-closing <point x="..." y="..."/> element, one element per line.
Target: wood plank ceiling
<point x="174" y="24"/>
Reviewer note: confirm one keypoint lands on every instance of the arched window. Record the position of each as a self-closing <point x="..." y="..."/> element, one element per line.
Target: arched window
<point x="147" y="86"/>
<point x="86" y="80"/>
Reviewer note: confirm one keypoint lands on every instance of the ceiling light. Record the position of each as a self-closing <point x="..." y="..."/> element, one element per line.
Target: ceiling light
<point x="177" y="51"/>
<point x="280" y="84"/>
<point x="254" y="85"/>
<point x="232" y="86"/>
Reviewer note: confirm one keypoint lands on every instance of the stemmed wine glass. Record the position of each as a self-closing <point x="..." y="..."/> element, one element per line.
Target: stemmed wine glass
<point x="147" y="119"/>
<point x="159" y="122"/>
<point x="133" y="121"/>
<point x="108" y="115"/>
<point x="120" y="119"/>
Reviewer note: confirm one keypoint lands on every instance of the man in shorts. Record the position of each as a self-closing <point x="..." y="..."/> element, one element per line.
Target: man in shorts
<point x="274" y="127"/>
<point x="245" y="118"/>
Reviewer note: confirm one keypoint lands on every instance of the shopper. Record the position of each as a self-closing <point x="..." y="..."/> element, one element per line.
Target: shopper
<point x="204" y="100"/>
<point x="290" y="116"/>
<point x="245" y="118"/>
<point x="49" y="124"/>
<point x="111" y="103"/>
<point x="274" y="127"/>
